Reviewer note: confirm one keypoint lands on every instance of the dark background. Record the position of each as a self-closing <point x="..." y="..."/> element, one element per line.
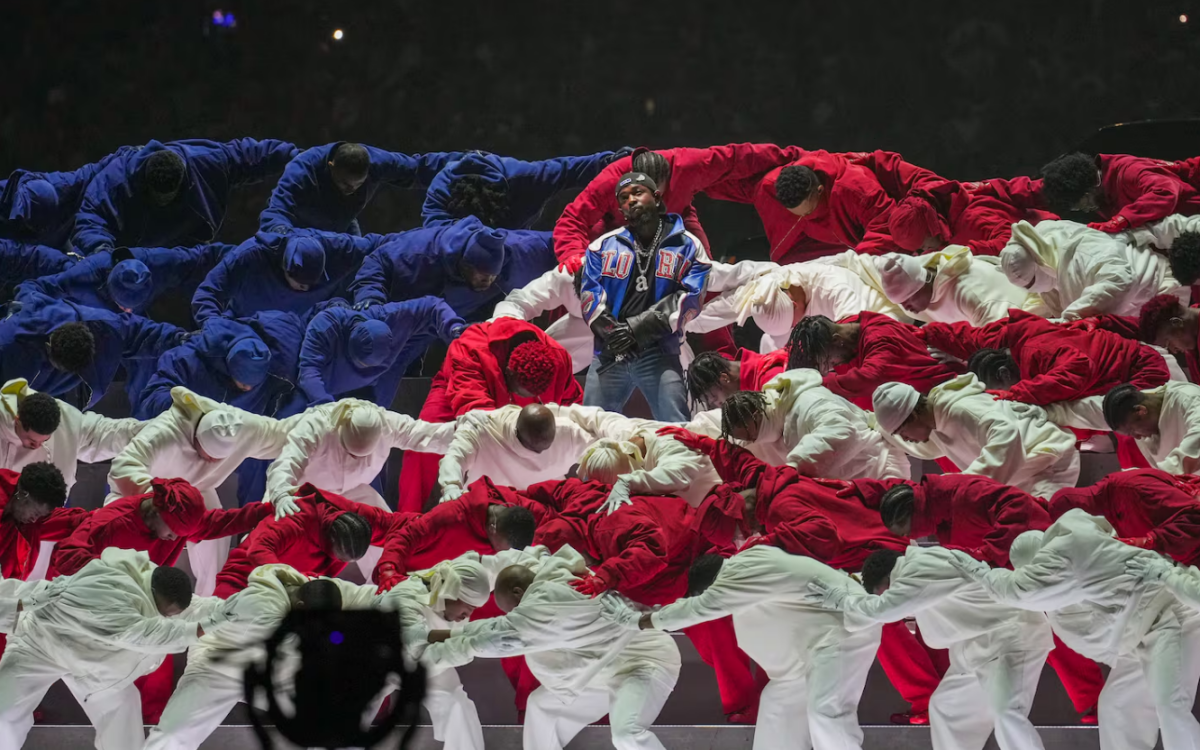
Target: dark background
<point x="971" y="90"/>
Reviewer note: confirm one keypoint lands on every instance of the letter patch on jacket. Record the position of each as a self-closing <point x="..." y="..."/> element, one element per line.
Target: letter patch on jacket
<point x="616" y="264"/>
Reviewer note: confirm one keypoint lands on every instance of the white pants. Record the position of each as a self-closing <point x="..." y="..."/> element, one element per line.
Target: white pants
<point x="366" y="494"/>
<point x="452" y="712"/>
<point x="969" y="704"/>
<point x="24" y="679"/>
<point x="201" y="701"/>
<point x="819" y="708"/>
<point x="632" y="699"/>
<point x="1153" y="689"/>
<point x="208" y="557"/>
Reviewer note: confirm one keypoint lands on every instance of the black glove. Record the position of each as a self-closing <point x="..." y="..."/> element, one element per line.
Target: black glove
<point x="616" y="337"/>
<point x="649" y="328"/>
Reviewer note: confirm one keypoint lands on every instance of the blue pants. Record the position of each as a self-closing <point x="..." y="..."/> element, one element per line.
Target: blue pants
<point x="658" y="375"/>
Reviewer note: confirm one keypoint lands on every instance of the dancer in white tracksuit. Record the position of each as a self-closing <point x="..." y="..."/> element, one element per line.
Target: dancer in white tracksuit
<point x="171" y="446"/>
<point x="212" y="684"/>
<point x="341" y="447"/>
<point x="1080" y="272"/>
<point x="81" y="437"/>
<point x="443" y="598"/>
<point x="1010" y="442"/>
<point x="514" y="446"/>
<point x="817" y="667"/>
<point x="949" y="286"/>
<point x="632" y="457"/>
<point x="996" y="652"/>
<point x="1165" y="421"/>
<point x="1076" y="571"/>
<point x="587" y="667"/>
<point x="797" y="421"/>
<point x="98" y="630"/>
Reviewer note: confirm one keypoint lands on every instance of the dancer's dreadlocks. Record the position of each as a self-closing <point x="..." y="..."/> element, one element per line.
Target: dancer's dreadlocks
<point x="741" y="410"/>
<point x="810" y="342"/>
<point x="705" y="373"/>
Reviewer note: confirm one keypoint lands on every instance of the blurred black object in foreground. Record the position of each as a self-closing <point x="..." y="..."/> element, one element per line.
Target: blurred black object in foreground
<point x="346" y="659"/>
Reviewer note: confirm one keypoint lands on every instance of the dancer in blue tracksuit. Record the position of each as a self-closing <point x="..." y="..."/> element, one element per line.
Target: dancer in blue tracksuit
<point x="249" y="363"/>
<point x="20" y="263"/>
<point x="39" y="208"/>
<point x="171" y="194"/>
<point x="469" y="265"/>
<point x="641" y="285"/>
<point x="293" y="272"/>
<point x="328" y="186"/>
<point x="504" y="192"/>
<point x="130" y="279"/>
<point x="364" y="354"/>
<point x="59" y="346"/>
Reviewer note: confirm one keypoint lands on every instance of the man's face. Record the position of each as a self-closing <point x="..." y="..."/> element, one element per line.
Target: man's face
<point x="24" y="509"/>
<point x="637" y="201"/>
<point x="508" y="599"/>
<point x="345" y="184"/>
<point x="154" y="521"/>
<point x="30" y="440"/>
<point x="457" y="611"/>
<point x="296" y="286"/>
<point x="242" y="387"/>
<point x="747" y="433"/>
<point x="844" y="349"/>
<point x="1141" y="424"/>
<point x="902" y="527"/>
<point x="920" y="301"/>
<point x="810" y="203"/>
<point x="1175" y="337"/>
<point x="498" y="541"/>
<point x="166" y="608"/>
<point x="478" y="281"/>
<point x="914" y="429"/>
<point x="883" y="586"/>
<point x="515" y="387"/>
<point x="726" y="386"/>
<point x="932" y="244"/>
<point x="1090" y="202"/>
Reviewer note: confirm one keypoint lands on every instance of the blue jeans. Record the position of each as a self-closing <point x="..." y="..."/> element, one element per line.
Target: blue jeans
<point x="658" y="375"/>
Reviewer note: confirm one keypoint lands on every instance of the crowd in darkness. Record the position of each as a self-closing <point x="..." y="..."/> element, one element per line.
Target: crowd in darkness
<point x="970" y="91"/>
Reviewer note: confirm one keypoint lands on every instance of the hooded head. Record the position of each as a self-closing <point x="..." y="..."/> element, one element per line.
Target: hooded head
<point x="915" y="225"/>
<point x="606" y="459"/>
<point x="36" y="202"/>
<point x="370" y="343"/>
<point x="1025" y="547"/>
<point x="775" y="315"/>
<point x="1022" y="268"/>
<point x="179" y="504"/>
<point x="457" y="588"/>
<point x="303" y="261"/>
<point x="903" y="277"/>
<point x="484" y="251"/>
<point x="248" y="361"/>
<point x="894" y="404"/>
<point x="130" y="284"/>
<point x="217" y="433"/>
<point x="360" y="431"/>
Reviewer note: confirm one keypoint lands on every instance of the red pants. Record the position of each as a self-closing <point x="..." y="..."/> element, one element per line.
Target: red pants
<point x="913" y="668"/>
<point x="418" y="472"/>
<point x="1079" y="675"/>
<point x="156" y="689"/>
<point x="717" y="644"/>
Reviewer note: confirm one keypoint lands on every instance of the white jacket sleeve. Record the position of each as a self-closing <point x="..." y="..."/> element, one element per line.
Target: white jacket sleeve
<point x="410" y="434"/>
<point x="675" y="468"/>
<point x="922" y="584"/>
<point x="101" y="438"/>
<point x="596" y="421"/>
<point x="459" y="458"/>
<point x="735" y="590"/>
<point x="1002" y="452"/>
<point x="284" y="473"/>
<point x="1162" y="234"/>
<point x="130" y="470"/>
<point x="1112" y="278"/>
<point x="157" y="635"/>
<point x="1045" y="584"/>
<point x="1185" y="457"/>
<point x="1184" y="583"/>
<point x="829" y="438"/>
<point x="725" y="276"/>
<point x="551" y="290"/>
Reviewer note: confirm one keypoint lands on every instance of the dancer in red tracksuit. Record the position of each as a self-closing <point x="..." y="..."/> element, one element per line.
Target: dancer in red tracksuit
<point x="1165" y="322"/>
<point x="713" y="377"/>
<point x="494" y="364"/>
<point x="160" y="523"/>
<point x="1148" y="508"/>
<point x="644" y="551"/>
<point x="1126" y="191"/>
<point x="981" y="517"/>
<point x="688" y="171"/>
<point x="808" y="517"/>
<point x="36" y="517"/>
<point x="328" y="533"/>
<point x="861" y="353"/>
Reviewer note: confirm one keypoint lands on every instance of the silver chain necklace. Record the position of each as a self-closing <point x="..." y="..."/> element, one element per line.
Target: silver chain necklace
<point x="642" y="285"/>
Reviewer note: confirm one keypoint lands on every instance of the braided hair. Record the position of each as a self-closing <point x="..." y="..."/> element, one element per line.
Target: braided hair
<point x="350" y="534"/>
<point x="996" y="368"/>
<point x="741" y="410"/>
<point x="810" y="343"/>
<point x="705" y="373"/>
<point x="653" y="164"/>
<point x="896" y="505"/>
<point x="1119" y="404"/>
